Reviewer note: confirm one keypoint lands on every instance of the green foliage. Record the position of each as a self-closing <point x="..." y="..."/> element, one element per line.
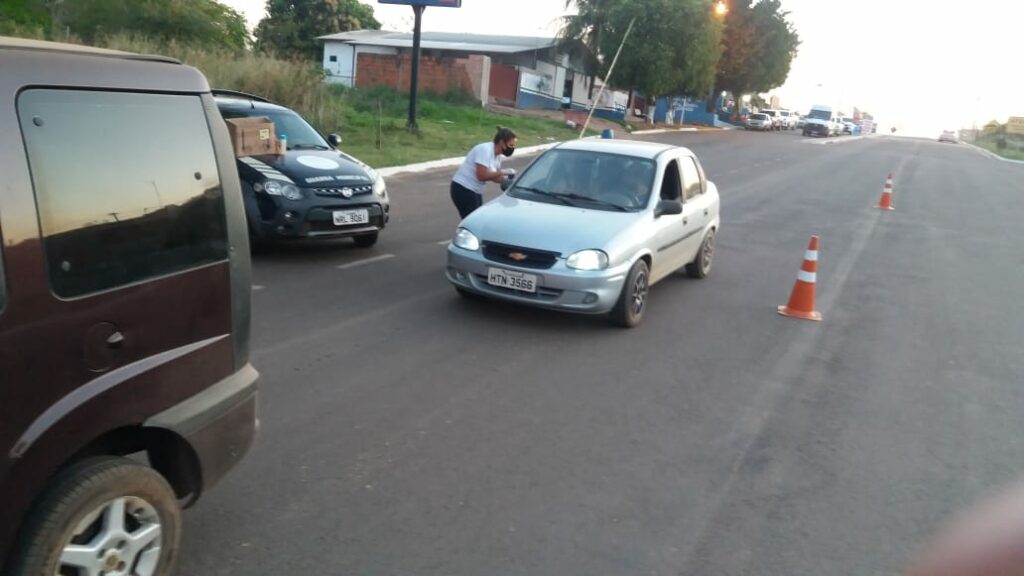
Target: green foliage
<point x="673" y="49"/>
<point x="759" y="47"/>
<point x="205" y="23"/>
<point x="291" y="27"/>
<point x="25" y="18"/>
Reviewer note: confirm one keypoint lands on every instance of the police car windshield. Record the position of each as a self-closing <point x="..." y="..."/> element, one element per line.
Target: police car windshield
<point x="300" y="134"/>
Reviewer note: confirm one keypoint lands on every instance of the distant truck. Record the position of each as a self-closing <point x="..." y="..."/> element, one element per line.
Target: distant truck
<point x="821" y="121"/>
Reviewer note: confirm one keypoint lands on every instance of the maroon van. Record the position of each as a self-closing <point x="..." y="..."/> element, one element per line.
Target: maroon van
<point x="125" y="384"/>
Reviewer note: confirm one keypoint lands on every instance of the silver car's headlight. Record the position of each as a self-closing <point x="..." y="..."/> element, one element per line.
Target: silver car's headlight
<point x="466" y="240"/>
<point x="587" y="260"/>
<point x="379" y="187"/>
<point x="275" y="188"/>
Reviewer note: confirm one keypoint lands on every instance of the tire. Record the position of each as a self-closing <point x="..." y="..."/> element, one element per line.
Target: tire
<point x="632" y="303"/>
<point x="80" y="507"/>
<point x="700" y="268"/>
<point x="366" y="240"/>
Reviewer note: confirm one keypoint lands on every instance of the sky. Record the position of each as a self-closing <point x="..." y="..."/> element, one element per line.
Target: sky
<point x="922" y="66"/>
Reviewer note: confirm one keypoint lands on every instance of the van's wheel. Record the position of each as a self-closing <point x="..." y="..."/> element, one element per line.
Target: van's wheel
<point x="632" y="303"/>
<point x="105" y="515"/>
<point x="701" y="266"/>
<point x="366" y="240"/>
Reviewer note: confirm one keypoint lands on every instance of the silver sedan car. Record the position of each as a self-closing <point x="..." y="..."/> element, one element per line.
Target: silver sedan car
<point x="588" y="228"/>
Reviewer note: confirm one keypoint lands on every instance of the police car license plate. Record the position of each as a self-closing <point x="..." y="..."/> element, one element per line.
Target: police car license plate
<point x="513" y="280"/>
<point x="346" y="217"/>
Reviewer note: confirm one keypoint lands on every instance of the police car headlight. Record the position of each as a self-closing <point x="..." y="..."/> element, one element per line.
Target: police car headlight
<point x="285" y="189"/>
<point x="379" y="187"/>
<point x="587" y="260"/>
<point x="466" y="240"/>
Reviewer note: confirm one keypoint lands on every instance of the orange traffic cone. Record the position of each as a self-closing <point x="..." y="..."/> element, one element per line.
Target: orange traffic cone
<point x="801" y="301"/>
<point x="885" y="202"/>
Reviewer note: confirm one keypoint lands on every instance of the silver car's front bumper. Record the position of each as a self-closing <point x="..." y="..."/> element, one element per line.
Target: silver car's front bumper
<point x="558" y="287"/>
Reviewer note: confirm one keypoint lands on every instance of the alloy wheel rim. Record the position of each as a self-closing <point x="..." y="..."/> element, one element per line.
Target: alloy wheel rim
<point x="121" y="537"/>
<point x="639" y="293"/>
<point x="708" y="252"/>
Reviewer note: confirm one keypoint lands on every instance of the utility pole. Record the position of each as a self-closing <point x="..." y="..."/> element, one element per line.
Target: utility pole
<point x="412" y="126"/>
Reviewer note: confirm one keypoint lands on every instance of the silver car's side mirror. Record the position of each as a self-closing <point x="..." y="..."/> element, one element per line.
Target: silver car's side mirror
<point x="334" y="140"/>
<point x="668" y="208"/>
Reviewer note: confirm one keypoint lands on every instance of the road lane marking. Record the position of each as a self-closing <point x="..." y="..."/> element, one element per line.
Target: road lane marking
<point x="366" y="261"/>
<point x="256" y="287"/>
<point x="444" y="242"/>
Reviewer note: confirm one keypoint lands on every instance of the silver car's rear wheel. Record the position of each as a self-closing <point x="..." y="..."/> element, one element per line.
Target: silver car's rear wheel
<point x="105" y="516"/>
<point x="701" y="265"/>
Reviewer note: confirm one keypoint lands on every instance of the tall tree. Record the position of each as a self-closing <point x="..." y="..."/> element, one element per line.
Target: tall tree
<point x="203" y="22"/>
<point x="673" y="49"/>
<point x="24" y="17"/>
<point x="580" y="36"/>
<point x="291" y="27"/>
<point x="759" y="47"/>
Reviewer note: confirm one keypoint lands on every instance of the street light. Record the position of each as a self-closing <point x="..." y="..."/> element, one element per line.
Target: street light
<point x="720" y="8"/>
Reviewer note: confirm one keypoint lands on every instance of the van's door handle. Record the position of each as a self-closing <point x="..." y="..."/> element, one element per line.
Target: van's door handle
<point x="115" y="340"/>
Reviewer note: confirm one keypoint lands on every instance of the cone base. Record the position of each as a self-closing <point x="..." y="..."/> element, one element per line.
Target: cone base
<point x="880" y="207"/>
<point x="787" y="311"/>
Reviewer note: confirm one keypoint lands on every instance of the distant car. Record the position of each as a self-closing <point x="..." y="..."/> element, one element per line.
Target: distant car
<point x="588" y="228"/>
<point x="777" y="120"/>
<point x="801" y="122"/>
<point x="314" y="190"/>
<point x="820" y="121"/>
<point x="949" y="136"/>
<point x="760" y="121"/>
<point x="791" y="119"/>
<point x="849" y="126"/>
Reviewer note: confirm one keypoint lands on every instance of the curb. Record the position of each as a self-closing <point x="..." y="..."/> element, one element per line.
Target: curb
<point x="451" y="162"/>
<point x="839" y="140"/>
<point x="662" y="131"/>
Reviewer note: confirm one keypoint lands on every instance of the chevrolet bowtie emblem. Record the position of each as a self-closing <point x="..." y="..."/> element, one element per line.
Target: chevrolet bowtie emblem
<point x="347" y="192"/>
<point x="517" y="256"/>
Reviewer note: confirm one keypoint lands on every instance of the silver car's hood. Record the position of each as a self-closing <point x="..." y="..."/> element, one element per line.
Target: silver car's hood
<point x="553" y="227"/>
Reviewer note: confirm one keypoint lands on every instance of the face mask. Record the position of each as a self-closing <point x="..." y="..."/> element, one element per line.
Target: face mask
<point x="509" y="151"/>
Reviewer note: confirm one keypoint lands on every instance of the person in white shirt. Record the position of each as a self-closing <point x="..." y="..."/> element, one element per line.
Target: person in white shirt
<point x="482" y="165"/>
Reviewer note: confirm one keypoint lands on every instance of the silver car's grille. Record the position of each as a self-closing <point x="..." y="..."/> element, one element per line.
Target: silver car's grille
<point x="519" y="256"/>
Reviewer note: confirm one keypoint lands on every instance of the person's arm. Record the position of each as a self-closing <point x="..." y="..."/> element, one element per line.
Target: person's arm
<point x="485" y="174"/>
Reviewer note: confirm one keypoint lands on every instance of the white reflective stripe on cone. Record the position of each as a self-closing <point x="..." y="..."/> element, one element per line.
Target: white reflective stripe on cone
<point x="811" y="255"/>
<point x="809" y="277"/>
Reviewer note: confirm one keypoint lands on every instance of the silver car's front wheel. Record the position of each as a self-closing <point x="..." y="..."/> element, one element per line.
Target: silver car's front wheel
<point x="632" y="303"/>
<point x="102" y="517"/>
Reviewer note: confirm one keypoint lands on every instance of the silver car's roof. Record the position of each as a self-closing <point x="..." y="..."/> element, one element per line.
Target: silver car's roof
<point x="636" y="148"/>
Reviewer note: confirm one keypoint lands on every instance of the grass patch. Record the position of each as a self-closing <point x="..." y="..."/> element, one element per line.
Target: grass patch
<point x="450" y="124"/>
<point x="1008" y="152"/>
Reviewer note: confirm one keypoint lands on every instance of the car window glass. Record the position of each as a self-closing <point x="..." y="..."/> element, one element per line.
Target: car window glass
<point x="691" y="178"/>
<point x="670" y="187"/>
<point x="607" y="178"/>
<point x="126" y="185"/>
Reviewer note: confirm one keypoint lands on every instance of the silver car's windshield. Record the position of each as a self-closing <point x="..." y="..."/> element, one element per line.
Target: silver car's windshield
<point x="588" y="179"/>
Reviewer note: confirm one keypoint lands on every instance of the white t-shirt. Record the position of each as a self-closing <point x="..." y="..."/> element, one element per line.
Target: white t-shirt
<point x="482" y="154"/>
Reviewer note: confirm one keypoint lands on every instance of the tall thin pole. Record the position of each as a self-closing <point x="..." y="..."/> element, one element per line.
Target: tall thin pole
<point x="604" y="82"/>
<point x="415" y="80"/>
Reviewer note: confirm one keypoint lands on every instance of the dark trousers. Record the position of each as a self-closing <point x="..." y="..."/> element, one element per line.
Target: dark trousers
<point x="466" y="201"/>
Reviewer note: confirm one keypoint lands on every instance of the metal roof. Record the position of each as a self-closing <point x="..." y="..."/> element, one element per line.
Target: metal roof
<point x="455" y="42"/>
<point x="636" y="148"/>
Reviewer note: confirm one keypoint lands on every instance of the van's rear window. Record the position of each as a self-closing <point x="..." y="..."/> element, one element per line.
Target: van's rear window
<point x="126" y="184"/>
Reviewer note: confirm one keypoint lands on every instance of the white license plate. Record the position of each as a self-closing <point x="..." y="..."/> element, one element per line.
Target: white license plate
<point x="346" y="217"/>
<point x="513" y="280"/>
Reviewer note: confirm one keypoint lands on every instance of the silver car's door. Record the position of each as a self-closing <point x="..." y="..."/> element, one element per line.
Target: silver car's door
<point x="671" y="229"/>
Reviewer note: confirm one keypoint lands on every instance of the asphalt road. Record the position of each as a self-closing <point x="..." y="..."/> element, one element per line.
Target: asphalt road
<point x="409" y="432"/>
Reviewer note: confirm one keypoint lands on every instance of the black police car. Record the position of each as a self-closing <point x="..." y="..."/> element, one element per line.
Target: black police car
<point x="312" y="191"/>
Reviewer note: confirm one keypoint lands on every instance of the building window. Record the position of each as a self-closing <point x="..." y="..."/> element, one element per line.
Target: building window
<point x="332" y="58"/>
<point x="126" y="185"/>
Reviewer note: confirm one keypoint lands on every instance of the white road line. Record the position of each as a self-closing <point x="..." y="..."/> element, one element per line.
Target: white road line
<point x="366" y="261"/>
<point x="444" y="242"/>
<point x="257" y="287"/>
